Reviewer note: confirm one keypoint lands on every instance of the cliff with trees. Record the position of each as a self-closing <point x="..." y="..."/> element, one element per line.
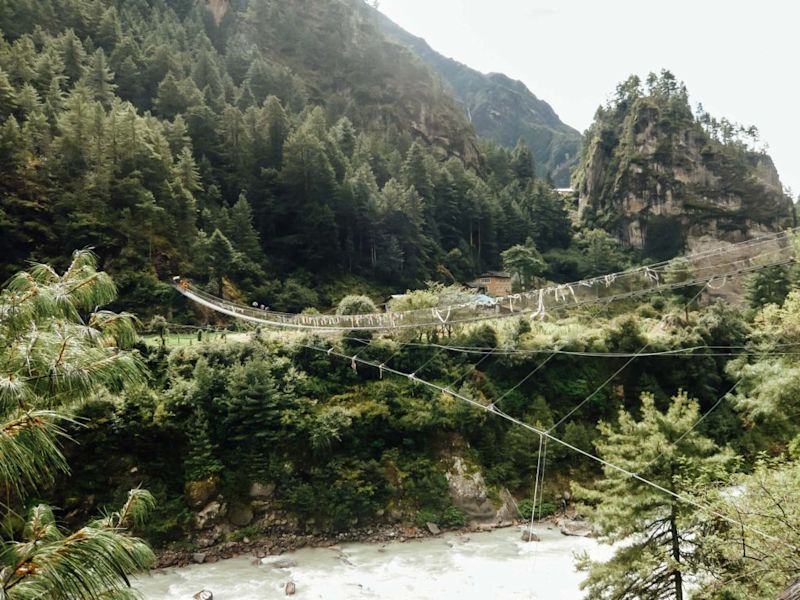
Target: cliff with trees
<point x="663" y="179"/>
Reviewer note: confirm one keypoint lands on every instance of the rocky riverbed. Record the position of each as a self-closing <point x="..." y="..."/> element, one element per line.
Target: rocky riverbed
<point x="459" y="565"/>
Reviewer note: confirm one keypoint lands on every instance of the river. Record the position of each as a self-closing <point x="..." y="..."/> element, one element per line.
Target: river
<point x="493" y="564"/>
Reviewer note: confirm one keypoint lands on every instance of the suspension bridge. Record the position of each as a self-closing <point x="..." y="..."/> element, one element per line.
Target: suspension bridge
<point x="711" y="269"/>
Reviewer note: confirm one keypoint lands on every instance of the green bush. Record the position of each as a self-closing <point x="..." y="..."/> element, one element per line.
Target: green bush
<point x="449" y="517"/>
<point x="356" y="305"/>
<point x="251" y="531"/>
<point x="548" y="508"/>
<point x="453" y="517"/>
<point x="427" y="515"/>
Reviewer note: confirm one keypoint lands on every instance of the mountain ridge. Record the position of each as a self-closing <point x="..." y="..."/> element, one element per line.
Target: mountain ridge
<point x="499" y="107"/>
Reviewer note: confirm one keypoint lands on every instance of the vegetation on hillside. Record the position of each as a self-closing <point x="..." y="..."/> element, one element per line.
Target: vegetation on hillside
<point x="287" y="154"/>
<point x="259" y="153"/>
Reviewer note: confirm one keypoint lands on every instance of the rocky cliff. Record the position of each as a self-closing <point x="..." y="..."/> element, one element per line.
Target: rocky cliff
<point x="662" y="180"/>
<point x="500" y="108"/>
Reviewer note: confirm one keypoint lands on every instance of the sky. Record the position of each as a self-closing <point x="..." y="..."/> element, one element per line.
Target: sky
<point x="738" y="58"/>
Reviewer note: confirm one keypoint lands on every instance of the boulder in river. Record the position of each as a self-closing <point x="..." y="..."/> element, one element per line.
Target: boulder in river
<point x="204" y="595"/>
<point x="281" y="563"/>
<point x="529" y="536"/>
<point x="290" y="588"/>
<point x="576" y="528"/>
<point x="433" y="528"/>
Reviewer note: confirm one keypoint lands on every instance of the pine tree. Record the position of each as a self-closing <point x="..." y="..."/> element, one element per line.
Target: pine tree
<point x="664" y="448"/>
<point x="109" y="29"/>
<point x="21" y="60"/>
<point x="768" y="286"/>
<point x="522" y="162"/>
<point x="67" y="359"/>
<point x="524" y="261"/>
<point x="242" y="233"/>
<point x="222" y="258"/>
<point x="27" y="100"/>
<point x="7" y="96"/>
<point x="98" y="79"/>
<point x="201" y="462"/>
<point x="186" y="171"/>
<point x="207" y="78"/>
<point x="416" y="173"/>
<point x="277" y="123"/>
<point x="73" y="56"/>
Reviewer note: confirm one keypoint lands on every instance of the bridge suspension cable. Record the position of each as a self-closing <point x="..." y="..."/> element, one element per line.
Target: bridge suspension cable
<point x="546" y="435"/>
<point x="695" y="269"/>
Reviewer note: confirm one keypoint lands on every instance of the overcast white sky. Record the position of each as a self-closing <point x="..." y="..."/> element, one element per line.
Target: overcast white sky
<point x="739" y="58"/>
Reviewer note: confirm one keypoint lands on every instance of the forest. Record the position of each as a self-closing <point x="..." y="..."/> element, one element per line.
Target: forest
<point x="254" y="152"/>
<point x="182" y="147"/>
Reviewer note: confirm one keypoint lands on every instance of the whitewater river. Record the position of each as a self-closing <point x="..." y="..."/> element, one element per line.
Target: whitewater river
<point x="488" y="565"/>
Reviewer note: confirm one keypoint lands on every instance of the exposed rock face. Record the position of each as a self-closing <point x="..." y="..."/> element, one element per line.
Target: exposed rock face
<point x="508" y="510"/>
<point x="218" y="8"/>
<point x="262" y="491"/>
<point x="654" y="177"/>
<point x="468" y="491"/>
<point x="210" y="515"/>
<point x="501" y="108"/>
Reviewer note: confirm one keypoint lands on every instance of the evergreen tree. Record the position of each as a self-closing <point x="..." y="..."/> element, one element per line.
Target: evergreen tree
<point x="201" y="462"/>
<point x="662" y="447"/>
<point x="416" y="173"/>
<point x="41" y="310"/>
<point x="524" y="261"/>
<point x="522" y="162"/>
<point x="73" y="56"/>
<point x="98" y="79"/>
<point x="276" y="123"/>
<point x="768" y="286"/>
<point x="222" y="259"/>
<point x="7" y="95"/>
<point x="242" y="233"/>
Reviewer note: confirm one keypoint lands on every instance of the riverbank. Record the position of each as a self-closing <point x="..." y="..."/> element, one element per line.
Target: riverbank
<point x="568" y="524"/>
<point x="456" y="565"/>
<point x="290" y="542"/>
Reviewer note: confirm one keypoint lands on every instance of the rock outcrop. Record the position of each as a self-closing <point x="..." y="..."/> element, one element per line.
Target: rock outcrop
<point x="468" y="491"/>
<point x="661" y="180"/>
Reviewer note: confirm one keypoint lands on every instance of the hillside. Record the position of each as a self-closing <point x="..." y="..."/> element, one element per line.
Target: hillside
<point x="282" y="152"/>
<point x="501" y="108"/>
<point x="663" y="180"/>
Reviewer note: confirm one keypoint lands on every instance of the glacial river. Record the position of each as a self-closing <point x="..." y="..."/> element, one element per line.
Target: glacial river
<point x="487" y="565"/>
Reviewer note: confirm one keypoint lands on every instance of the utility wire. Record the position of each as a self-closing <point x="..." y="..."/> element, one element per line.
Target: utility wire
<point x="583" y="402"/>
<point x="493" y="410"/>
